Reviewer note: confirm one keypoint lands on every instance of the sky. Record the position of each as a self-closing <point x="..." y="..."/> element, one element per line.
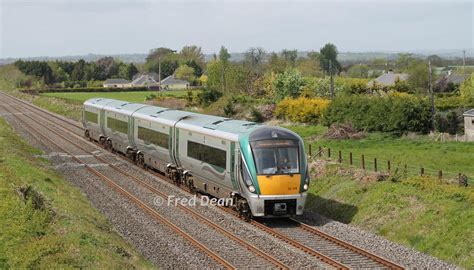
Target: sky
<point x="59" y="27"/>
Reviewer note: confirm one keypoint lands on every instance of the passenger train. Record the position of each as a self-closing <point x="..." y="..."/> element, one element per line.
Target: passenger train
<point x="262" y="168"/>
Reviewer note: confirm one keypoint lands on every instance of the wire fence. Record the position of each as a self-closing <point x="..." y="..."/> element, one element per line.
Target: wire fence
<point x="389" y="167"/>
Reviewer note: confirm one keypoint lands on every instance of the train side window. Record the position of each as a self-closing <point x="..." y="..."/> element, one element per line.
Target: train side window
<point x="91" y="117"/>
<point x="117" y="125"/>
<point x="208" y="154"/>
<point x="154" y="137"/>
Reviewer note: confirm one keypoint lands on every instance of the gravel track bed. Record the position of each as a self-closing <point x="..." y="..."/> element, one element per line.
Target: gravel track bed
<point x="407" y="257"/>
<point x="402" y="255"/>
<point x="287" y="254"/>
<point x="328" y="248"/>
<point x="230" y="250"/>
<point x="156" y="241"/>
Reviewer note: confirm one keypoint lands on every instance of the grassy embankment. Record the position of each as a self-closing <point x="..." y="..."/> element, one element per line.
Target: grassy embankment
<point x="420" y="212"/>
<point x="50" y="224"/>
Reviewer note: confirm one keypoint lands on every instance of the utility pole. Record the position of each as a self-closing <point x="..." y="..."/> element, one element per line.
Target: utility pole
<point x="159" y="74"/>
<point x="430" y="91"/>
<point x="463" y="61"/>
<point x="331" y="80"/>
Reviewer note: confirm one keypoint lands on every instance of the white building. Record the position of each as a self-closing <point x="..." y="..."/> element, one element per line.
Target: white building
<point x="116" y="83"/>
<point x="469" y="125"/>
<point x="144" y="80"/>
<point x="171" y="83"/>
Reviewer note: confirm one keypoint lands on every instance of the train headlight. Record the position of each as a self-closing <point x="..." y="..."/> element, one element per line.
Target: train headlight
<point x="305" y="187"/>
<point x="251" y="188"/>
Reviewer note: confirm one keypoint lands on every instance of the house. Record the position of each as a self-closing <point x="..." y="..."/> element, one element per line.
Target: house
<point x="116" y="83"/>
<point x="388" y="79"/>
<point x="171" y="82"/>
<point x="469" y="125"/>
<point x="144" y="80"/>
<point x="450" y="82"/>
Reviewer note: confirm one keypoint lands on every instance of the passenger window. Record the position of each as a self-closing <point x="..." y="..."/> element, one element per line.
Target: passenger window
<point x="208" y="154"/>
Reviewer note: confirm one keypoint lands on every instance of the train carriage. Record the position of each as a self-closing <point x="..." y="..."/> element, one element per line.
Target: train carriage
<point x="262" y="168"/>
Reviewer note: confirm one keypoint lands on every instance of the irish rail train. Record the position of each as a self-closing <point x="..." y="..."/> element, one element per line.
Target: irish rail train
<point x="262" y="168"/>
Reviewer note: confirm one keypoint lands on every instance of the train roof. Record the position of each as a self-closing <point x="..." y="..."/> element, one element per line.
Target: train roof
<point x="208" y="124"/>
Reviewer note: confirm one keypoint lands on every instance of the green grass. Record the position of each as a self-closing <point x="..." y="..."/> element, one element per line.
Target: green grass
<point x="419" y="212"/>
<point x="450" y="157"/>
<point x="136" y="96"/>
<point x="55" y="226"/>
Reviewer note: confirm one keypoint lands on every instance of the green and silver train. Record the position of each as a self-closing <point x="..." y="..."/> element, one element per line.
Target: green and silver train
<point x="263" y="169"/>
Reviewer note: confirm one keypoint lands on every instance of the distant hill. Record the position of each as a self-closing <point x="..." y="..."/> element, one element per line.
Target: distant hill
<point x="343" y="56"/>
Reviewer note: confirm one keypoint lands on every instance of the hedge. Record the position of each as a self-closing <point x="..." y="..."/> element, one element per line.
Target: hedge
<point x="394" y="113"/>
<point x="303" y="110"/>
<point x="93" y="89"/>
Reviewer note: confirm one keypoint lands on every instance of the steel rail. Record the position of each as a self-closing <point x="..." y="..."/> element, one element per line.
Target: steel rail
<point x="202" y="218"/>
<point x="363" y="252"/>
<point x="265" y="228"/>
<point x="134" y="199"/>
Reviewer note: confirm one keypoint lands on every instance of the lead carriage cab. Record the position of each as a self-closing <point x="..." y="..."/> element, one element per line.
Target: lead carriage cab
<point x="279" y="164"/>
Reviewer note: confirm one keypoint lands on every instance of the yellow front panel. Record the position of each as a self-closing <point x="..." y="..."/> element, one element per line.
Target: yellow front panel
<point x="279" y="184"/>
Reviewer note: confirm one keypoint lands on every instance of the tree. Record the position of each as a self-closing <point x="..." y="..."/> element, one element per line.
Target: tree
<point x="328" y="59"/>
<point x="108" y="67"/>
<point x="404" y="61"/>
<point x="358" y="71"/>
<point x="185" y="72"/>
<point x="78" y="71"/>
<point x="309" y="67"/>
<point x="288" y="84"/>
<point x="224" y="57"/>
<point x="276" y="64"/>
<point x="127" y="71"/>
<point x="253" y="63"/>
<point x="161" y="60"/>
<point x="418" y="78"/>
<point x="193" y="54"/>
<point x="289" y="56"/>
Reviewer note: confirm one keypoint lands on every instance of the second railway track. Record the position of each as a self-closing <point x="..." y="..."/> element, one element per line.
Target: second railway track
<point x="326" y="248"/>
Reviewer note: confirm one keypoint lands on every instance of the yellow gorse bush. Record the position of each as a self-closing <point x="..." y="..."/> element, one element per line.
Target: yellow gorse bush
<point x="302" y="109"/>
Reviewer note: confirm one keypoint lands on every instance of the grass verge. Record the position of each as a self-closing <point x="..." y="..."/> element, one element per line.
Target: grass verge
<point x="48" y="223"/>
<point x="134" y="96"/>
<point x="418" y="212"/>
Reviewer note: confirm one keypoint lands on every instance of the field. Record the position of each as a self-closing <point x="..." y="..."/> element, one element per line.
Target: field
<point x="420" y="212"/>
<point x="450" y="157"/>
<point x="136" y="96"/>
<point x="47" y="222"/>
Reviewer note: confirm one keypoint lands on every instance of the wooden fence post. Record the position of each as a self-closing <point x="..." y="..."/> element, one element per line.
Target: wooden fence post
<point x="363" y="162"/>
<point x="329" y="152"/>
<point x="340" y="156"/>
<point x="310" y="154"/>
<point x="375" y="164"/>
<point x="320" y="151"/>
<point x="422" y="171"/>
<point x="388" y="165"/>
<point x="440" y="175"/>
<point x="406" y="171"/>
<point x="350" y="158"/>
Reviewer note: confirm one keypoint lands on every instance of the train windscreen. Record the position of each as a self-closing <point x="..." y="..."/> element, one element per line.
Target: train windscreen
<point x="276" y="156"/>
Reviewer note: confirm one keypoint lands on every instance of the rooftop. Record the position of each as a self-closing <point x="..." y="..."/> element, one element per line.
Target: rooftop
<point x="390" y="78"/>
<point x="469" y="113"/>
<point x="116" y="81"/>
<point x="172" y="80"/>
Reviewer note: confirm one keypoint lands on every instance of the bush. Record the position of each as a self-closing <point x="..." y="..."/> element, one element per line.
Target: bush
<point x="395" y="113"/>
<point x="304" y="110"/>
<point x="256" y="116"/>
<point x="229" y="108"/>
<point x="208" y="96"/>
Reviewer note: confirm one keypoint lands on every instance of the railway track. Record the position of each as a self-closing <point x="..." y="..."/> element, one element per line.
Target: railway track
<point x="310" y="240"/>
<point x="273" y="263"/>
